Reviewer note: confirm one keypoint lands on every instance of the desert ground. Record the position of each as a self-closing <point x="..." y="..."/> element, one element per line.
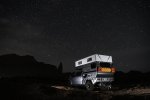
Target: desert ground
<point x="33" y="89"/>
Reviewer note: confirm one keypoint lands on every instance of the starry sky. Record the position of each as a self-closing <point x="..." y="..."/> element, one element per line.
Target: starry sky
<point x="55" y="31"/>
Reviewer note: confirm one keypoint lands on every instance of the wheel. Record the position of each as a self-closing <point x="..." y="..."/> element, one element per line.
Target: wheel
<point x="89" y="85"/>
<point x="106" y="87"/>
<point x="109" y="87"/>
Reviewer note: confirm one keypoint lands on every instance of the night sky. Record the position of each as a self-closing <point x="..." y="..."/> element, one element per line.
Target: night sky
<point x="55" y="31"/>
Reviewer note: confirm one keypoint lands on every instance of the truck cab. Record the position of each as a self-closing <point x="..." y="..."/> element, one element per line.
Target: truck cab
<point x="93" y="71"/>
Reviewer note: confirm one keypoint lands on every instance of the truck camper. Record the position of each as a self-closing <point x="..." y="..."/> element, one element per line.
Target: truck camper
<point x="93" y="71"/>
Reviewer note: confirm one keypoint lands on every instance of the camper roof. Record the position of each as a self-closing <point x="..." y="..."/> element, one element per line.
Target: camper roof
<point x="93" y="58"/>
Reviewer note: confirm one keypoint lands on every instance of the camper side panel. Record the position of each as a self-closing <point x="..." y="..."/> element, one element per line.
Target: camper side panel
<point x="86" y="60"/>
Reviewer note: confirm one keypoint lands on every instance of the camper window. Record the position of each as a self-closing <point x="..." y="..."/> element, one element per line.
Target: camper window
<point x="80" y="62"/>
<point x="89" y="59"/>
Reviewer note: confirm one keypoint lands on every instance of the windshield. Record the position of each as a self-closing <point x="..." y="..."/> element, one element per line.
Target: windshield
<point x="77" y="73"/>
<point x="104" y="64"/>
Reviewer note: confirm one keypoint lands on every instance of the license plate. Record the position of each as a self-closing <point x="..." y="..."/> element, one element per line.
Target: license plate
<point x="105" y="79"/>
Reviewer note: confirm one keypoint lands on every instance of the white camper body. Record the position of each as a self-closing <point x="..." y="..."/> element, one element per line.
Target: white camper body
<point x="93" y="58"/>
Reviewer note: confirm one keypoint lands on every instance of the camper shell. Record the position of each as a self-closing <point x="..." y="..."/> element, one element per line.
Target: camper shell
<point x="93" y="58"/>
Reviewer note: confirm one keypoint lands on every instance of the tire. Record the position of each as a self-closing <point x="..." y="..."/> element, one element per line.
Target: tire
<point x="109" y="87"/>
<point x="106" y="87"/>
<point x="89" y="86"/>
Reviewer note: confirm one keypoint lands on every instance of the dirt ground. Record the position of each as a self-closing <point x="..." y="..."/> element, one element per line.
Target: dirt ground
<point x="35" y="90"/>
<point x="131" y="93"/>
